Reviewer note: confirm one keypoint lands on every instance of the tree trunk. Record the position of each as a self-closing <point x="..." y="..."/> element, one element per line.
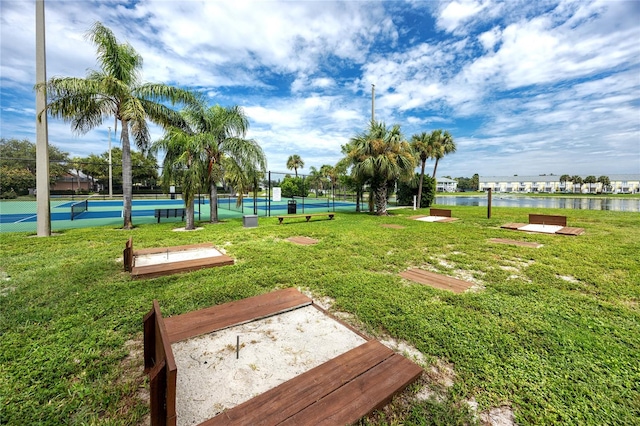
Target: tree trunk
<point x="424" y="162"/>
<point x="213" y="202"/>
<point x="189" y="216"/>
<point x="380" y="195"/>
<point x="435" y="167"/>
<point x="127" y="177"/>
<point x="358" y="198"/>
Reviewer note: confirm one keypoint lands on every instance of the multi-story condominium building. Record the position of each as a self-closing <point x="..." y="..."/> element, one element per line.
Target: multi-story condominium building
<point x="444" y="184"/>
<point x="619" y="184"/>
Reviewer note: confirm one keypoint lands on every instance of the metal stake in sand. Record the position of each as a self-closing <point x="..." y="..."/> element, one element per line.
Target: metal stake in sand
<point x="237" y="347"/>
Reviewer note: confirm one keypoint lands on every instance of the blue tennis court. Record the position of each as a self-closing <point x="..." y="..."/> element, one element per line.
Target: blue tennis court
<point x="20" y="215"/>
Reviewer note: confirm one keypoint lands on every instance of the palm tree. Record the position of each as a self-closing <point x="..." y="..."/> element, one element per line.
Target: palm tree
<point x="315" y="178"/>
<point x="576" y="180"/>
<point x="183" y="164"/>
<point x="564" y="179"/>
<point x="348" y="162"/>
<point x="223" y="131"/>
<point x="381" y="156"/>
<point x="423" y="148"/>
<point x="605" y="182"/>
<point x="115" y="91"/>
<point x="294" y="162"/>
<point x="330" y="173"/>
<point x="443" y="144"/>
<point x="590" y="180"/>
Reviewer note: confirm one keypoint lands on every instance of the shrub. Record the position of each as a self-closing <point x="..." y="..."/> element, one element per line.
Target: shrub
<point x="406" y="191"/>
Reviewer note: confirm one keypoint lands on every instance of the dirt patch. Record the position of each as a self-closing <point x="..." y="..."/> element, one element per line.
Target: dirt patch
<point x="568" y="278"/>
<point x="498" y="416"/>
<point x="183" y="229"/>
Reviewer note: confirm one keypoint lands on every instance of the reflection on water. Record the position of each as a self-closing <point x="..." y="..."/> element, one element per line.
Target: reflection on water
<point x="498" y="200"/>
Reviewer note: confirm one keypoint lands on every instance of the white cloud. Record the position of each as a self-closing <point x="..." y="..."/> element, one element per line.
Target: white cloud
<point x="456" y="13"/>
<point x="490" y="38"/>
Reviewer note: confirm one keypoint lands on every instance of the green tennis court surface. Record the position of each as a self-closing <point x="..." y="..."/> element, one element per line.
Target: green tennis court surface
<point x="20" y="215"/>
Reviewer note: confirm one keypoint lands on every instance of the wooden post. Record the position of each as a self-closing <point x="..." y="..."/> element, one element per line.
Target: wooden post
<point x="489" y="204"/>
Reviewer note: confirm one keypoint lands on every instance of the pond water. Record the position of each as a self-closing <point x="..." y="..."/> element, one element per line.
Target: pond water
<point x="504" y="200"/>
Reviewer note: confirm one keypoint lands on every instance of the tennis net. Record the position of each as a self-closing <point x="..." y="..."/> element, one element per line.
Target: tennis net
<point x="78" y="208"/>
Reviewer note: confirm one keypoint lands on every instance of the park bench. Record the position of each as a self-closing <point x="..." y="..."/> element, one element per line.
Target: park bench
<point x="306" y="216"/>
<point x="169" y="213"/>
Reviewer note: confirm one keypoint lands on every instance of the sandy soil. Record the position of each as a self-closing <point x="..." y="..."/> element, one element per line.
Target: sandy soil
<point x="547" y="229"/>
<point x="432" y="218"/>
<point x="271" y="351"/>
<point x="175" y="256"/>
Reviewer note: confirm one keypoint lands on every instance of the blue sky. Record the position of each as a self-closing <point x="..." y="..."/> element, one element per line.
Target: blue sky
<point x="524" y="87"/>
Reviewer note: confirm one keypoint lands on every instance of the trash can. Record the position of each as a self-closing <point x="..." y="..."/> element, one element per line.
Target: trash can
<point x="291" y="207"/>
<point x="250" y="221"/>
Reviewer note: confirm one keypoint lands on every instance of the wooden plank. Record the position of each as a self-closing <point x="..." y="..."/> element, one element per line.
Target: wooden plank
<point x="359" y="397"/>
<point x="432" y="279"/>
<point x="440" y="212"/>
<point x="567" y="230"/>
<point x="302" y="240"/>
<point x="292" y="396"/>
<point x="170" y="268"/>
<point x="160" y="363"/>
<point x="514" y="225"/>
<point x="547" y="219"/>
<point x="127" y="255"/>
<point x="515" y="242"/>
<point x="218" y="317"/>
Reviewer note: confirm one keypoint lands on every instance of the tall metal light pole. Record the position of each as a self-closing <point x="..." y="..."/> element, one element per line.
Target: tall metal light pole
<point x="43" y="210"/>
<point x="110" y="168"/>
<point x="373" y="103"/>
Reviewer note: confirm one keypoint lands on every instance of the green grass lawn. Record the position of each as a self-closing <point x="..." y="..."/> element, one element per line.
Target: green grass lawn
<point x="554" y="334"/>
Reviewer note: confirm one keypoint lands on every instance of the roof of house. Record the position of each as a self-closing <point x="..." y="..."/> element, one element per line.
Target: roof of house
<point x="553" y="178"/>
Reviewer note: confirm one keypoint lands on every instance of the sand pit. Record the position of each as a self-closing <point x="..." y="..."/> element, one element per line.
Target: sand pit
<point x="175" y="256"/>
<point x="545" y="229"/>
<point x="433" y="218"/>
<point x="158" y="261"/>
<point x="271" y="351"/>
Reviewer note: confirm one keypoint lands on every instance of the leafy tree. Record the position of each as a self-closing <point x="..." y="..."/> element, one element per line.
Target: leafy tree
<point x="293" y="186"/>
<point x="407" y="190"/>
<point x="115" y="91"/>
<point x="294" y="162"/>
<point x="605" y="182"/>
<point x="18" y="158"/>
<point x="577" y="180"/>
<point x="590" y="180"/>
<point x="96" y="168"/>
<point x="380" y="155"/>
<point x="221" y="132"/>
<point x="475" y="182"/>
<point x="15" y="180"/>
